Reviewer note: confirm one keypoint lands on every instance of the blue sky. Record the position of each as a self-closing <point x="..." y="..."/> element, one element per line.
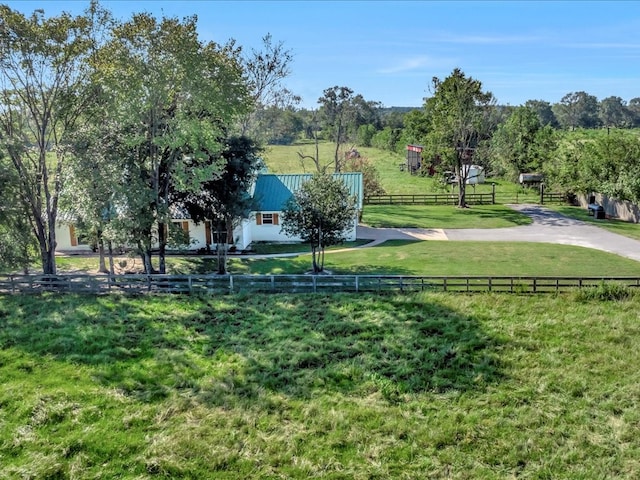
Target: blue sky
<point x="388" y="51"/>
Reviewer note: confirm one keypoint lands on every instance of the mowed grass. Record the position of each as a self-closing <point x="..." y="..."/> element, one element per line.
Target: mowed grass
<point x="408" y="257"/>
<point x="311" y="386"/>
<point x="400" y="257"/>
<point x="442" y="216"/>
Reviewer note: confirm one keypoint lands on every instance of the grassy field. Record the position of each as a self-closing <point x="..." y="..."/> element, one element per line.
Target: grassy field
<point x="442" y="216"/>
<point x="341" y="387"/>
<point x="400" y="257"/>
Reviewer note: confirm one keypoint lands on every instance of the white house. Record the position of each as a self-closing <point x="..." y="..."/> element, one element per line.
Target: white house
<point x="271" y="192"/>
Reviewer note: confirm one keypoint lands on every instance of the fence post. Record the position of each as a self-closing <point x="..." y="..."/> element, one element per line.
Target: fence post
<point x="542" y="194"/>
<point x="493" y="193"/>
<point x="357" y="284"/>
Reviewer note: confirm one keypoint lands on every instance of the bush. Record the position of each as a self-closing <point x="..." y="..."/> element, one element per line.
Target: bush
<point x="606" y="291"/>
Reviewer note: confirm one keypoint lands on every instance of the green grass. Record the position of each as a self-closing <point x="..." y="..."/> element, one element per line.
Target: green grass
<point x="422" y="216"/>
<point x="343" y="386"/>
<point x="400" y="257"/>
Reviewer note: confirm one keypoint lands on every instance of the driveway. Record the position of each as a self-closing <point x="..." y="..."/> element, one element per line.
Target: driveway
<point x="547" y="227"/>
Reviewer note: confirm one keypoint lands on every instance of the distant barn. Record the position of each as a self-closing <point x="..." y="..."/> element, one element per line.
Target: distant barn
<point x="414" y="158"/>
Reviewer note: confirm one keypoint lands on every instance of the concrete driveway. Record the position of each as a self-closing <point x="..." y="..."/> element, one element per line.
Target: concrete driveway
<point x="547" y="227"/>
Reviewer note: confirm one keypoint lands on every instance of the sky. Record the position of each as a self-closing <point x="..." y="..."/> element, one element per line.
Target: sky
<point x="389" y="51"/>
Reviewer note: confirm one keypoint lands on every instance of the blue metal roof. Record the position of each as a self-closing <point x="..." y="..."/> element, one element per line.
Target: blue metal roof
<point x="273" y="190"/>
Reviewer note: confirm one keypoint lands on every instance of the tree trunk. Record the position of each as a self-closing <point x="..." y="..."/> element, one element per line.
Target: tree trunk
<point x="111" y="266"/>
<point x="103" y="266"/>
<point x="462" y="184"/>
<point x="221" y="248"/>
<point x="162" y="247"/>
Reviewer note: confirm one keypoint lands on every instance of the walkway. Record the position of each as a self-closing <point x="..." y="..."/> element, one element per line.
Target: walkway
<point x="547" y="227"/>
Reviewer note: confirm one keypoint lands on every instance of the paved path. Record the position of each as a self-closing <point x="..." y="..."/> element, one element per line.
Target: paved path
<point x="547" y="227"/>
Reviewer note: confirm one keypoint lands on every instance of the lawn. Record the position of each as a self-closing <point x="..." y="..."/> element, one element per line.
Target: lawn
<point x="304" y="386"/>
<point x="442" y="216"/>
<point x="400" y="257"/>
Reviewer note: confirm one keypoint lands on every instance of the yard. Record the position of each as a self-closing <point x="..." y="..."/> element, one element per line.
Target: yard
<point x="310" y="386"/>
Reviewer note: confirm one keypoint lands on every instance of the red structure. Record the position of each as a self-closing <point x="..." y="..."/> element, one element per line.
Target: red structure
<point x="414" y="158"/>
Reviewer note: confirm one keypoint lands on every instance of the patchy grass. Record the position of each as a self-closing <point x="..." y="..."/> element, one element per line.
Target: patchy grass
<point x="442" y="216"/>
<point x="344" y="386"/>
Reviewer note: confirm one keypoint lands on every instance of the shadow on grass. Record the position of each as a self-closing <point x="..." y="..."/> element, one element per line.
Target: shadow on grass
<point x="231" y="349"/>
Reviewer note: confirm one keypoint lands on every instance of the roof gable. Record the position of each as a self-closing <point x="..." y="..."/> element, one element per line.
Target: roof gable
<point x="273" y="190"/>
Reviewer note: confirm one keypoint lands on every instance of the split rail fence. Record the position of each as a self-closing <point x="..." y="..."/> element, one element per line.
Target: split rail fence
<point x="225" y="284"/>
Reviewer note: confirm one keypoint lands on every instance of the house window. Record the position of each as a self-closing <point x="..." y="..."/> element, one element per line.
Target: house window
<point x="267" y="219"/>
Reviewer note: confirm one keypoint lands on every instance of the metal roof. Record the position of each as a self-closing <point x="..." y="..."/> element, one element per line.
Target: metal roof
<point x="273" y="190"/>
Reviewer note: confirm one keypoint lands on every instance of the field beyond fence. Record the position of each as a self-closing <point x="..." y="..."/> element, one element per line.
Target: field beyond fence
<point x="223" y="284"/>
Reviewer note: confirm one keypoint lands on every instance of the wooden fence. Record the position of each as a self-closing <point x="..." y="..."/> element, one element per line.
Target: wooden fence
<point x="430" y="199"/>
<point x="486" y="198"/>
<point x="223" y="284"/>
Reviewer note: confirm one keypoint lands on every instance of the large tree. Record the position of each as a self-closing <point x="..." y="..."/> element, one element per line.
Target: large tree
<point x="613" y="112"/>
<point x="225" y="200"/>
<point x="265" y="71"/>
<point x="577" y="110"/>
<point x="341" y="113"/>
<point x="458" y="116"/>
<point x="521" y="144"/>
<point x="44" y="94"/>
<point x="320" y="212"/>
<point x="172" y="96"/>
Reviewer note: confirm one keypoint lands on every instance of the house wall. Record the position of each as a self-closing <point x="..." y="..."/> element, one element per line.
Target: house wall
<point x="65" y="242"/>
<point x="271" y="233"/>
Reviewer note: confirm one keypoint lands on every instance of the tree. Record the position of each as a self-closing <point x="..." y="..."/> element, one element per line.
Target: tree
<point x="336" y="112"/>
<point x="264" y="71"/>
<point x="320" y="212"/>
<point x="225" y="200"/>
<point x="44" y="94"/>
<point x="634" y="111"/>
<point x="613" y="112"/>
<point x="577" y="109"/>
<point x="458" y="118"/>
<point x="172" y="97"/>
<point x="94" y="185"/>
<point x="371" y="184"/>
<point x="544" y="111"/>
<point x="17" y="243"/>
<point x="521" y="144"/>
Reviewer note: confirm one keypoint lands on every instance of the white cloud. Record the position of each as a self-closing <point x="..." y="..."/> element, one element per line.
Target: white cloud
<point x="412" y="64"/>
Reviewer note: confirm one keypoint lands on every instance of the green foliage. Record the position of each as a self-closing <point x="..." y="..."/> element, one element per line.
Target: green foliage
<point x="605" y="292"/>
<point x="577" y="110"/>
<point x="320" y="212"/>
<point x="370" y="176"/>
<point x="457" y="120"/>
<point x="44" y="92"/>
<point x="521" y="145"/>
<point x="604" y="162"/>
